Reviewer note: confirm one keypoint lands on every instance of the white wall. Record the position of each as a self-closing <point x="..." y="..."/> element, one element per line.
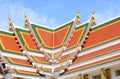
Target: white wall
<point x="117" y="67"/>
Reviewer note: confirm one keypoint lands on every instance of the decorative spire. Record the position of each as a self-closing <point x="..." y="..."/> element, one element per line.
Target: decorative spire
<point x="26" y="18"/>
<point x="93" y="13"/>
<point x="26" y="21"/>
<point x="10" y="24"/>
<point x="93" y="18"/>
<point x="78" y="17"/>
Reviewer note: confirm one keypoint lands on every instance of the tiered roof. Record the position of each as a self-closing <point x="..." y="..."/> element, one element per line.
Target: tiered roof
<point x="39" y="52"/>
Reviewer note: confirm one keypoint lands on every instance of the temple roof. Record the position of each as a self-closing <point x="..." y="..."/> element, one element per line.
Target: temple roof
<point x="40" y="51"/>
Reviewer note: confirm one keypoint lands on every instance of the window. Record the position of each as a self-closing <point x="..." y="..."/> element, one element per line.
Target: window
<point x="117" y="72"/>
<point x="97" y="77"/>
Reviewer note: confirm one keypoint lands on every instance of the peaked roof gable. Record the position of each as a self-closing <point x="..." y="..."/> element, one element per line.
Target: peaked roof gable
<point x="78" y="35"/>
<point x="52" y="38"/>
<point x="27" y="40"/>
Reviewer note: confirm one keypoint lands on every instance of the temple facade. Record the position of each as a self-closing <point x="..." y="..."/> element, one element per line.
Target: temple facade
<point x="73" y="50"/>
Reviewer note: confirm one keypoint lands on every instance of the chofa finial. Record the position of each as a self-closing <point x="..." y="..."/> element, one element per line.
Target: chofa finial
<point x="10" y="24"/>
<point x="93" y="13"/>
<point x="78" y="17"/>
<point x="93" y="17"/>
<point x="26" y="25"/>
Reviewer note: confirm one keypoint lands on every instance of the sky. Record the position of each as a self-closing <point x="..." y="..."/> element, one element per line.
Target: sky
<point x="53" y="13"/>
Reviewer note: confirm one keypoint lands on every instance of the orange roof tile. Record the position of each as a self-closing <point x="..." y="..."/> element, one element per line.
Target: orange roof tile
<point x="76" y="38"/>
<point x="52" y="38"/>
<point x="24" y="72"/>
<point x="59" y="36"/>
<point x="29" y="42"/>
<point x="103" y="34"/>
<point x="40" y="59"/>
<point x="64" y="58"/>
<point x="58" y="68"/>
<point x="46" y="69"/>
<point x="46" y="37"/>
<point x="8" y="43"/>
<point x="94" y="64"/>
<point x="97" y="53"/>
<point x="18" y="61"/>
<point x="26" y="39"/>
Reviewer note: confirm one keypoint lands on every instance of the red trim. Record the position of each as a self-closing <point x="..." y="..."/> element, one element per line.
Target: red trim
<point x="94" y="63"/>
<point x="40" y="59"/>
<point x="97" y="53"/>
<point x="19" y="61"/>
<point x="64" y="58"/>
<point x="27" y="72"/>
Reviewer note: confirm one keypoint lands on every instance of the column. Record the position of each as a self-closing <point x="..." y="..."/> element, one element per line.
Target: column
<point x="106" y="73"/>
<point x="85" y="76"/>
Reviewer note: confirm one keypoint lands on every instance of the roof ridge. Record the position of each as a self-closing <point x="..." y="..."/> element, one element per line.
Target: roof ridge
<point x="106" y="21"/>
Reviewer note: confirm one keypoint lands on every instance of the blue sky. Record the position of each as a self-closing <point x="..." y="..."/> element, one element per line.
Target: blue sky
<point x="53" y="13"/>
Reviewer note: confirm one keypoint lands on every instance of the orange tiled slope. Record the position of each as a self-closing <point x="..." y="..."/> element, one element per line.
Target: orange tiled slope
<point x="94" y="64"/>
<point x="77" y="35"/>
<point x="26" y="39"/>
<point x="18" y="61"/>
<point x="57" y="37"/>
<point x="40" y="59"/>
<point x="9" y="44"/>
<point x="24" y="72"/>
<point x="50" y="38"/>
<point x="7" y="39"/>
<point x="103" y="33"/>
<point x="87" y="56"/>
<point x="98" y="53"/>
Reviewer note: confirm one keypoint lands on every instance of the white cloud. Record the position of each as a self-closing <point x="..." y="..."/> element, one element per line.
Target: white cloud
<point x="16" y="12"/>
<point x="111" y="12"/>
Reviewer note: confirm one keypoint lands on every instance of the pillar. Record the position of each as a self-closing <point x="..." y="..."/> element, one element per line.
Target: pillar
<point x="85" y="76"/>
<point x="106" y="73"/>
